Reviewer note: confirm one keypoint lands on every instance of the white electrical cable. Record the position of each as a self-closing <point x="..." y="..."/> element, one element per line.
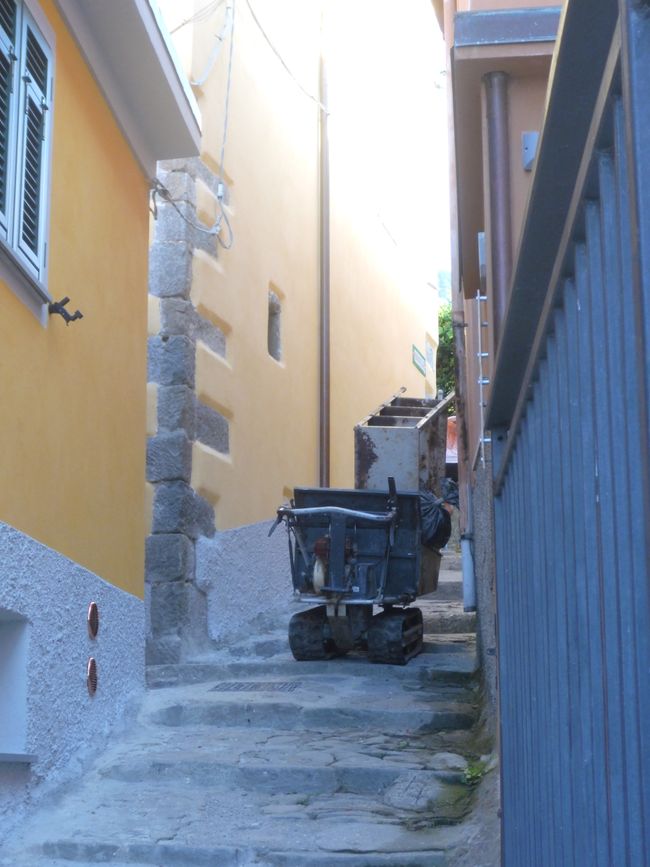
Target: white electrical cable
<point x="224" y="137"/>
<point x="216" y="49"/>
<point x="283" y="62"/>
<point x="201" y="15"/>
<point x="158" y="189"/>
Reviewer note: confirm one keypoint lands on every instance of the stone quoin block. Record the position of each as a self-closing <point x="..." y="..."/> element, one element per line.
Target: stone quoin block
<point x="177" y="316"/>
<point x="180" y="222"/>
<point x="176" y="409"/>
<point x="181" y="185"/>
<point x="169" y="557"/>
<point x="169" y="456"/>
<point x="168" y="607"/>
<point x="173" y="222"/>
<point x="212" y="428"/>
<point x="171" y="360"/>
<point x="170" y="270"/>
<point x="210" y="334"/>
<point x="163" y="649"/>
<point x="178" y="509"/>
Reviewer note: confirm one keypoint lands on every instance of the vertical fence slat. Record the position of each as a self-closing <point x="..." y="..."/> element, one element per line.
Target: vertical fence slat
<point x="632" y="483"/>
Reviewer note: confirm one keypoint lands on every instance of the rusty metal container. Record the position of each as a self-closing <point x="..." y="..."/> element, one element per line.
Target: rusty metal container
<point x="405" y="438"/>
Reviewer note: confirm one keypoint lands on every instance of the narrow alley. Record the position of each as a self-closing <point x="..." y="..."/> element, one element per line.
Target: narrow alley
<point x="248" y="757"/>
<point x="375" y="275"/>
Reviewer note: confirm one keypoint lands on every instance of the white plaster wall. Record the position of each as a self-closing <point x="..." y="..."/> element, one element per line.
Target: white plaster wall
<point x="246" y="577"/>
<point x="65" y="726"/>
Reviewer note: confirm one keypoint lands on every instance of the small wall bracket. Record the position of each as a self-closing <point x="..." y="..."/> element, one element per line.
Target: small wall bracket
<point x="529" y="141"/>
<point x="58" y="307"/>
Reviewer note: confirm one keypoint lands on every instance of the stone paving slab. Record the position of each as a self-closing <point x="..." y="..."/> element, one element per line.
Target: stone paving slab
<point x="166" y="855"/>
<point x="137" y="818"/>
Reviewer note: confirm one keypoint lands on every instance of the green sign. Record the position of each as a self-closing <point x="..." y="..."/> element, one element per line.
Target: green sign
<point x="419" y="360"/>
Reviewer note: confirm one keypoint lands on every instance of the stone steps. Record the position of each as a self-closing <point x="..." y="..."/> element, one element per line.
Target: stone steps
<point x="459" y="665"/>
<point x="178" y="855"/>
<point x="247" y="757"/>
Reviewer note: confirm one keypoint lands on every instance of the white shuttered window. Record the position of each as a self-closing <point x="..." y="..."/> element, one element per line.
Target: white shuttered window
<point x="26" y="81"/>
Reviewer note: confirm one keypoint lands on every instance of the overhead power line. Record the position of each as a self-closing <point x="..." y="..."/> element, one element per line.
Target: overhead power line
<point x="219" y="39"/>
<point x="283" y="61"/>
<point x="200" y="15"/>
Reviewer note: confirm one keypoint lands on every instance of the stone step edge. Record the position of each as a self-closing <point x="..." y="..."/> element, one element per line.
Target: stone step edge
<point x="351" y="778"/>
<point x="462" y="665"/>
<point x="458" y="715"/>
<point x="179" y="855"/>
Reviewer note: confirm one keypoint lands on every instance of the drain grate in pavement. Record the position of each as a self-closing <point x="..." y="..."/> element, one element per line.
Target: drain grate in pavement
<point x="252" y="686"/>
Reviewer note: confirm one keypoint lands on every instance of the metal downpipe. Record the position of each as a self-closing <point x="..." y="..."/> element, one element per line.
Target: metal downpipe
<point x="496" y="92"/>
<point x="324" y="341"/>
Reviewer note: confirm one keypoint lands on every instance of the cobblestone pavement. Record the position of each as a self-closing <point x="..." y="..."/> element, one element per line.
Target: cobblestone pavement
<point x="250" y="758"/>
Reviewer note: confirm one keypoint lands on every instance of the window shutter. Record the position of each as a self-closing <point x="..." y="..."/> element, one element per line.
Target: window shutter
<point x="34" y="144"/>
<point x="5" y="117"/>
<point x="32" y="176"/>
<point x="8" y="19"/>
<point x="7" y="59"/>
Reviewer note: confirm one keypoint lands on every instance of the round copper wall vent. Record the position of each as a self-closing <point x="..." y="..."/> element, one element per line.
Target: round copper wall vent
<point x="91" y="676"/>
<point x="93" y="620"/>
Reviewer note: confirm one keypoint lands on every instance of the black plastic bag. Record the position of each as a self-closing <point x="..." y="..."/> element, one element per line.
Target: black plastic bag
<point x="450" y="492"/>
<point x="436" y="521"/>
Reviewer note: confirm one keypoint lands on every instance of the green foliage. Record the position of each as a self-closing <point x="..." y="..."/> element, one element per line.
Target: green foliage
<point x="474" y="772"/>
<point x="445" y="361"/>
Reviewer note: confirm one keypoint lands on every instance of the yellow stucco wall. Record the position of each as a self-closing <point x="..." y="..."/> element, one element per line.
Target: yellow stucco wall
<point x="272" y="169"/>
<point x="374" y="328"/>
<point x="72" y="436"/>
<point x="379" y="308"/>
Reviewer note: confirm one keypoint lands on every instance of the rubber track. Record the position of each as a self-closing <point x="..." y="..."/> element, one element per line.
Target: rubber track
<point x="395" y="636"/>
<point x="309" y="636"/>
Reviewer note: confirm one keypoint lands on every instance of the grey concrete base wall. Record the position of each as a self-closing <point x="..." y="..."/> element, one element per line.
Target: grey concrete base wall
<point x="484" y="568"/>
<point x="49" y="595"/>
<point x="246" y="579"/>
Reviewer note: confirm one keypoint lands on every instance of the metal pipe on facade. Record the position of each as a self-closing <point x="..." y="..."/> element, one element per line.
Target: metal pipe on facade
<point x="496" y="92"/>
<point x="467" y="557"/>
<point x="324" y="342"/>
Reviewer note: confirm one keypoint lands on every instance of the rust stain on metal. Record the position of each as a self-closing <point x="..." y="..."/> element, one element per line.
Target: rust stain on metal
<point x="365" y="456"/>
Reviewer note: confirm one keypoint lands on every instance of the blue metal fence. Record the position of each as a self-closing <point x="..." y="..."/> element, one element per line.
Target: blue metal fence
<point x="571" y="454"/>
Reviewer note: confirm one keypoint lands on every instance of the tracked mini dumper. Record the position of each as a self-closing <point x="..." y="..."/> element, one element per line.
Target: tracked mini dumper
<point x="357" y="557"/>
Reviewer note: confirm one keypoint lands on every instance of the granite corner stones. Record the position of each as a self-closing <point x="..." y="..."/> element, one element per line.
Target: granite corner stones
<point x="212" y="428"/>
<point x="178" y="508"/>
<point x="177" y="409"/>
<point x="179" y="316"/>
<point x="163" y="649"/>
<point x="168" y="611"/>
<point x="169" y="557"/>
<point x="180" y="184"/>
<point x="180" y="515"/>
<point x="169" y="457"/>
<point x="171" y="360"/>
<point x="170" y="269"/>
